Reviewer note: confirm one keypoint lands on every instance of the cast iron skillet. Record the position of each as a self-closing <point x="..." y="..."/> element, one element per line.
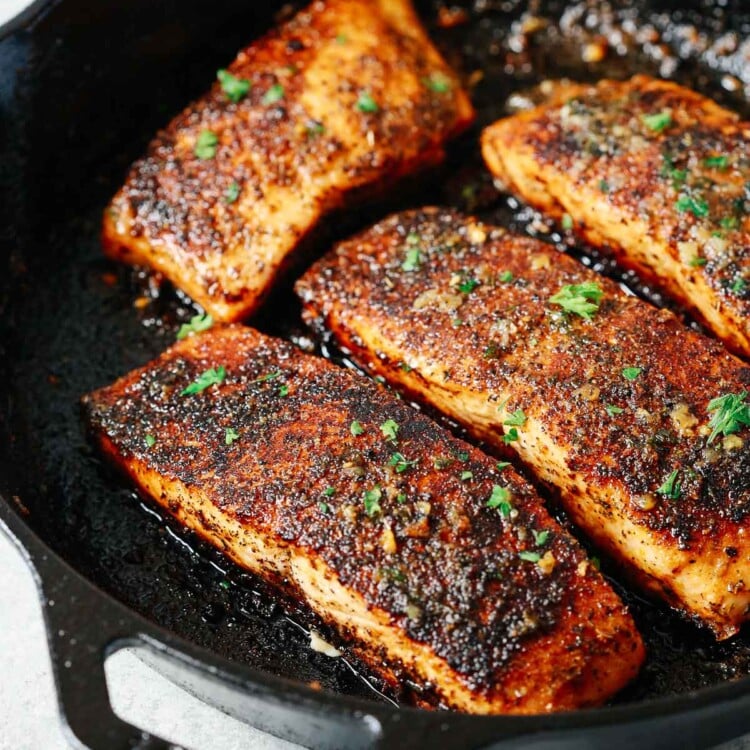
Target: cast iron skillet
<point x="82" y="88"/>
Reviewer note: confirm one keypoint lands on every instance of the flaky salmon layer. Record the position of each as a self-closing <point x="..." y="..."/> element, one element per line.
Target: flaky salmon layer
<point x="434" y="563"/>
<point x="342" y="100"/>
<point x="604" y="397"/>
<point x="655" y="172"/>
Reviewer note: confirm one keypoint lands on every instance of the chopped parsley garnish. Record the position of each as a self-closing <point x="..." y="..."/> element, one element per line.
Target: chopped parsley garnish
<point x="671" y="488"/>
<point x="372" y="501"/>
<point x="462" y="456"/>
<point x="442" y="462"/>
<point x="150" y="441"/>
<point x="511" y="436"/>
<point x="581" y="299"/>
<point x="400" y="463"/>
<point x="234" y="88"/>
<point x="697" y="262"/>
<point x="356" y="428"/>
<point x="284" y="390"/>
<point x="631" y="373"/>
<point x="738" y="286"/>
<point x="500" y="465"/>
<point x="401" y="498"/>
<point x="613" y="410"/>
<point x="438" y="83"/>
<point x="500" y="499"/>
<point x="658" y="122"/>
<point x="230" y="435"/>
<point x="341" y="38"/>
<point x="273" y="95"/>
<point x="696" y="206"/>
<point x="315" y="128"/>
<point x="267" y="376"/>
<point x="468" y="286"/>
<point x="529" y="556"/>
<point x="466" y="475"/>
<point x="323" y="507"/>
<point x="729" y="222"/>
<point x="329" y="491"/>
<point x="540" y="537"/>
<point x="517" y="418"/>
<point x="567" y="222"/>
<point x="604" y="186"/>
<point x="731" y="413"/>
<point x="505" y="277"/>
<point x="717" y="162"/>
<point x="205" y="380"/>
<point x="389" y="429"/>
<point x="365" y="103"/>
<point x="412" y="259"/>
<point x="232" y="193"/>
<point x="206" y="144"/>
<point x="198" y="323"/>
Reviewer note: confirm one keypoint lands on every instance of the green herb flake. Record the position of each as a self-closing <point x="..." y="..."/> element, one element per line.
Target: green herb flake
<point x="150" y="441"/>
<point x="731" y="412"/>
<point x="505" y="277"/>
<point x="468" y="286"/>
<point x="284" y="390"/>
<point x="716" y="162"/>
<point x="671" y="488"/>
<point x="329" y="491"/>
<point x="400" y="463"/>
<point x="657" y="122"/>
<point x="631" y="373"/>
<point x="234" y="88"/>
<point x="529" y="556"/>
<point x="232" y="193"/>
<point x="596" y="563"/>
<point x="197" y="324"/>
<point x="389" y="429"/>
<point x="401" y="498"/>
<point x="500" y="499"/>
<point x="205" y="380"/>
<point x="467" y="475"/>
<point x="738" y="286"/>
<point x="356" y="428"/>
<point x="314" y="129"/>
<point x="540" y="537"/>
<point x="341" y="38"/>
<point x="438" y="83"/>
<point x="729" y="222"/>
<point x="613" y="410"/>
<point x="581" y="299"/>
<point x="230" y="435"/>
<point x="697" y="262"/>
<point x="500" y="465"/>
<point x="365" y="103"/>
<point x="457" y="322"/>
<point x="516" y="419"/>
<point x="323" y="507"/>
<point x="567" y="222"/>
<point x="691" y="204"/>
<point x="441" y="462"/>
<point x="511" y="436"/>
<point x="267" y="376"/>
<point x="206" y="144"/>
<point x="412" y="259"/>
<point x="273" y="95"/>
<point x="372" y="501"/>
<point x="604" y="186"/>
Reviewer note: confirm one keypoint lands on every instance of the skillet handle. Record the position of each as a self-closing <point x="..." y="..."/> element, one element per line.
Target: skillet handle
<point x="82" y="630"/>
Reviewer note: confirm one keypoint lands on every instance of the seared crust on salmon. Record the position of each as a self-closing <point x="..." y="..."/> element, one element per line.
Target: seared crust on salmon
<point x="412" y="544"/>
<point x="657" y="173"/>
<point x="611" y="406"/>
<point x="345" y="98"/>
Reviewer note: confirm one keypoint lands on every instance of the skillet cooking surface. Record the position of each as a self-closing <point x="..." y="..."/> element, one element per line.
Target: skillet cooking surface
<point x="72" y="321"/>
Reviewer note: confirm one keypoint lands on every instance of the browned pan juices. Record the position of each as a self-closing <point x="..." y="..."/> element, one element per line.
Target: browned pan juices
<point x="94" y="321"/>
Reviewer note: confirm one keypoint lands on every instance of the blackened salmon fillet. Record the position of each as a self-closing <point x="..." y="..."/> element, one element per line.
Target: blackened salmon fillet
<point x="343" y="99"/>
<point x="656" y="173"/>
<point x="640" y="425"/>
<point x="417" y="548"/>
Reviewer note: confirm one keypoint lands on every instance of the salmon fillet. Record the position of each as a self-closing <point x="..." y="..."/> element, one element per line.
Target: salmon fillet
<point x="414" y="546"/>
<point x="655" y="172"/>
<point x="342" y="100"/>
<point x="604" y="397"/>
